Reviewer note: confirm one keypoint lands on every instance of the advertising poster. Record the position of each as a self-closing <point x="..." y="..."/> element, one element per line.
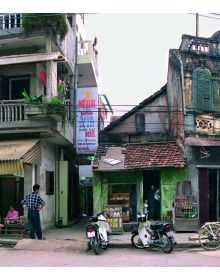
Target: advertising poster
<point x="86" y="120"/>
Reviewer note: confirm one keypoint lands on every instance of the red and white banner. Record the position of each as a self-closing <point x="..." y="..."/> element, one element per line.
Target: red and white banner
<point x="86" y="120"/>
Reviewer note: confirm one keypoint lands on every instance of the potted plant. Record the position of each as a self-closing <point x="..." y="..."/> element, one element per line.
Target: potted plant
<point x="40" y="106"/>
<point x="33" y="104"/>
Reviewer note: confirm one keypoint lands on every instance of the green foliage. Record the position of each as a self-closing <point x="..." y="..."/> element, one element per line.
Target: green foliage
<point x="49" y="22"/>
<point x="32" y="99"/>
<point x="53" y="105"/>
<point x="56" y="100"/>
<point x="61" y="89"/>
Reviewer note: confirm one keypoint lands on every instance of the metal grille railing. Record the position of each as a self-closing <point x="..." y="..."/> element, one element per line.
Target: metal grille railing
<point x="9" y="21"/>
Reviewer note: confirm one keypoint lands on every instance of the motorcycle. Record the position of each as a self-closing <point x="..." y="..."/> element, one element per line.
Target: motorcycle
<point x="97" y="231"/>
<point x="159" y="235"/>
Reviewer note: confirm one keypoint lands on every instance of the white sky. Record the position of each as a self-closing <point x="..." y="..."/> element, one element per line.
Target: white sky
<point x="133" y="50"/>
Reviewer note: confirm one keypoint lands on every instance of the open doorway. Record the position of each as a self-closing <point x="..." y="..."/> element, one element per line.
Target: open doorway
<point x="214" y="194"/>
<point x="209" y="195"/>
<point x="11" y="194"/>
<point x="152" y="177"/>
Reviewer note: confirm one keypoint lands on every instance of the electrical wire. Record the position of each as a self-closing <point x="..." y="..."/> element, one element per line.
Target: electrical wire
<point x="201" y="15"/>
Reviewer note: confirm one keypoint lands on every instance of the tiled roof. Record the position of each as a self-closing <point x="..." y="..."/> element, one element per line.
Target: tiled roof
<point x="153" y="155"/>
<point x="28" y="58"/>
<point x="140" y="156"/>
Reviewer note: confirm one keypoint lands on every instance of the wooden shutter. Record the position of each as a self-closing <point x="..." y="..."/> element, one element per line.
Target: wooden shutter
<point x="140" y="122"/>
<point x="202" y="90"/>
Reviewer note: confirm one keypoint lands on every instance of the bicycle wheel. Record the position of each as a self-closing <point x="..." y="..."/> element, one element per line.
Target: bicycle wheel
<point x="209" y="237"/>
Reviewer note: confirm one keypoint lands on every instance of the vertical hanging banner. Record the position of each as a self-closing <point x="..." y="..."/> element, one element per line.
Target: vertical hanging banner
<point x="86" y="120"/>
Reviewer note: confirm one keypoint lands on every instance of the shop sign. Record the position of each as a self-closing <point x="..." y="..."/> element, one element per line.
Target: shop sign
<point x="86" y="120"/>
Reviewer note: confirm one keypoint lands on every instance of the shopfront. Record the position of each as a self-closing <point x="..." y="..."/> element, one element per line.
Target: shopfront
<point x="11" y="194"/>
<point x="123" y="175"/>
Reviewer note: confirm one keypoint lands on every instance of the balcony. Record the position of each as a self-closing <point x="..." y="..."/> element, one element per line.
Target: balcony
<point x="16" y="117"/>
<point x="88" y="68"/>
<point x="13" y="40"/>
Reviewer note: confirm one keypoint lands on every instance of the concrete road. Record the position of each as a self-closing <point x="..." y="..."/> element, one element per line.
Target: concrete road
<point x="112" y="257"/>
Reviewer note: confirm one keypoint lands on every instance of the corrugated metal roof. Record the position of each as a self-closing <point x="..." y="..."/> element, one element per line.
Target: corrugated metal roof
<point x="13" y="153"/>
<point x="11" y="167"/>
<point x="28" y="58"/>
<point x="27" y="150"/>
<point x="113" y="153"/>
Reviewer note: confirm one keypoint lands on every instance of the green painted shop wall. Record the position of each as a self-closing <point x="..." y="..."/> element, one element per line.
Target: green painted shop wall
<point x="100" y="186"/>
<point x="139" y="189"/>
<point x="62" y="191"/>
<point x="169" y="178"/>
<point x="97" y="192"/>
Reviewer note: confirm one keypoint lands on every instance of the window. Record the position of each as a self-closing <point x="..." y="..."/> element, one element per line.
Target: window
<point x="202" y="90"/>
<point x="49" y="182"/>
<point x="17" y="86"/>
<point x="140" y="122"/>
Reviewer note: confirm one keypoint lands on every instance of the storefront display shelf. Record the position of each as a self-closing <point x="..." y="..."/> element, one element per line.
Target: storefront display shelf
<point x="113" y="213"/>
<point x="186" y="213"/>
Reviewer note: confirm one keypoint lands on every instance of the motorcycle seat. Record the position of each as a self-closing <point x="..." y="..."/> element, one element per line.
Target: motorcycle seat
<point x="157" y="226"/>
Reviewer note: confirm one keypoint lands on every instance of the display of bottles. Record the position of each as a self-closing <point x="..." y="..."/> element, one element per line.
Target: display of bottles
<point x="185" y="206"/>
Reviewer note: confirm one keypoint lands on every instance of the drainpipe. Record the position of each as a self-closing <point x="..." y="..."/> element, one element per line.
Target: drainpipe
<point x="57" y="168"/>
<point x="182" y="81"/>
<point x="75" y="85"/>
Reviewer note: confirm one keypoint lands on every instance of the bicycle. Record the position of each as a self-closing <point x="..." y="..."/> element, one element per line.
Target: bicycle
<point x="209" y="236"/>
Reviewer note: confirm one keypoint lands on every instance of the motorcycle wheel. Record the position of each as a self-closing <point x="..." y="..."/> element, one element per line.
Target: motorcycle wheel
<point x="167" y="244"/>
<point x="136" y="241"/>
<point x="95" y="246"/>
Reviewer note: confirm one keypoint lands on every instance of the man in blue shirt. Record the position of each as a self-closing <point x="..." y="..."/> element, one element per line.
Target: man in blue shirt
<point x="34" y="203"/>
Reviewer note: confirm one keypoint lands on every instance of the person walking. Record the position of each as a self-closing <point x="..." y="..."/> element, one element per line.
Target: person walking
<point x="34" y="203"/>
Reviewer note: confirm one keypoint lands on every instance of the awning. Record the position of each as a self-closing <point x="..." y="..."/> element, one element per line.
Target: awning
<point x="30" y="58"/>
<point x="14" y="153"/>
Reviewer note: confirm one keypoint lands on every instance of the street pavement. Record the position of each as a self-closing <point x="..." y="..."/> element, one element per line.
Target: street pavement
<point x="67" y="247"/>
<point x="74" y="238"/>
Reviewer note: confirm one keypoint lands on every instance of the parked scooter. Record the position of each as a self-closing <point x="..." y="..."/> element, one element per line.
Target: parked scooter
<point x="153" y="235"/>
<point x="97" y="231"/>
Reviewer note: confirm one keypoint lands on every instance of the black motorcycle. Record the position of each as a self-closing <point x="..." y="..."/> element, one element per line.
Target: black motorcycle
<point x="160" y="235"/>
<point x="97" y="231"/>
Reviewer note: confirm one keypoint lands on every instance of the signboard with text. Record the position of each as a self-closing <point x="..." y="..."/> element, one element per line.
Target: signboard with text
<point x="86" y="120"/>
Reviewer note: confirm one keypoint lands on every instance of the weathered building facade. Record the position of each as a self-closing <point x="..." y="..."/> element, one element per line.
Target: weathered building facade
<point x="193" y="91"/>
<point x="137" y="151"/>
<point x="37" y="139"/>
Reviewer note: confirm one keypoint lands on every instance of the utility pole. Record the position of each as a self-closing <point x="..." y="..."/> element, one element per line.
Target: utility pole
<point x="197" y="25"/>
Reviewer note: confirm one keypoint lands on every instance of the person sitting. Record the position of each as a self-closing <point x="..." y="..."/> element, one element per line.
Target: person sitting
<point x="12" y="215"/>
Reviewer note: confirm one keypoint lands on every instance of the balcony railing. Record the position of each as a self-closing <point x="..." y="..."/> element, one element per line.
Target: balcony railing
<point x="10" y="112"/>
<point x="14" y="110"/>
<point x="9" y="21"/>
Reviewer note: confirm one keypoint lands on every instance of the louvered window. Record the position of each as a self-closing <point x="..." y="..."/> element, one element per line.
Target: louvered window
<point x="140" y="122"/>
<point x="202" y="90"/>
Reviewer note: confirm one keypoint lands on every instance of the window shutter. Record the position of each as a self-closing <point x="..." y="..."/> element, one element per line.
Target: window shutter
<point x="140" y="122"/>
<point x="202" y="90"/>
